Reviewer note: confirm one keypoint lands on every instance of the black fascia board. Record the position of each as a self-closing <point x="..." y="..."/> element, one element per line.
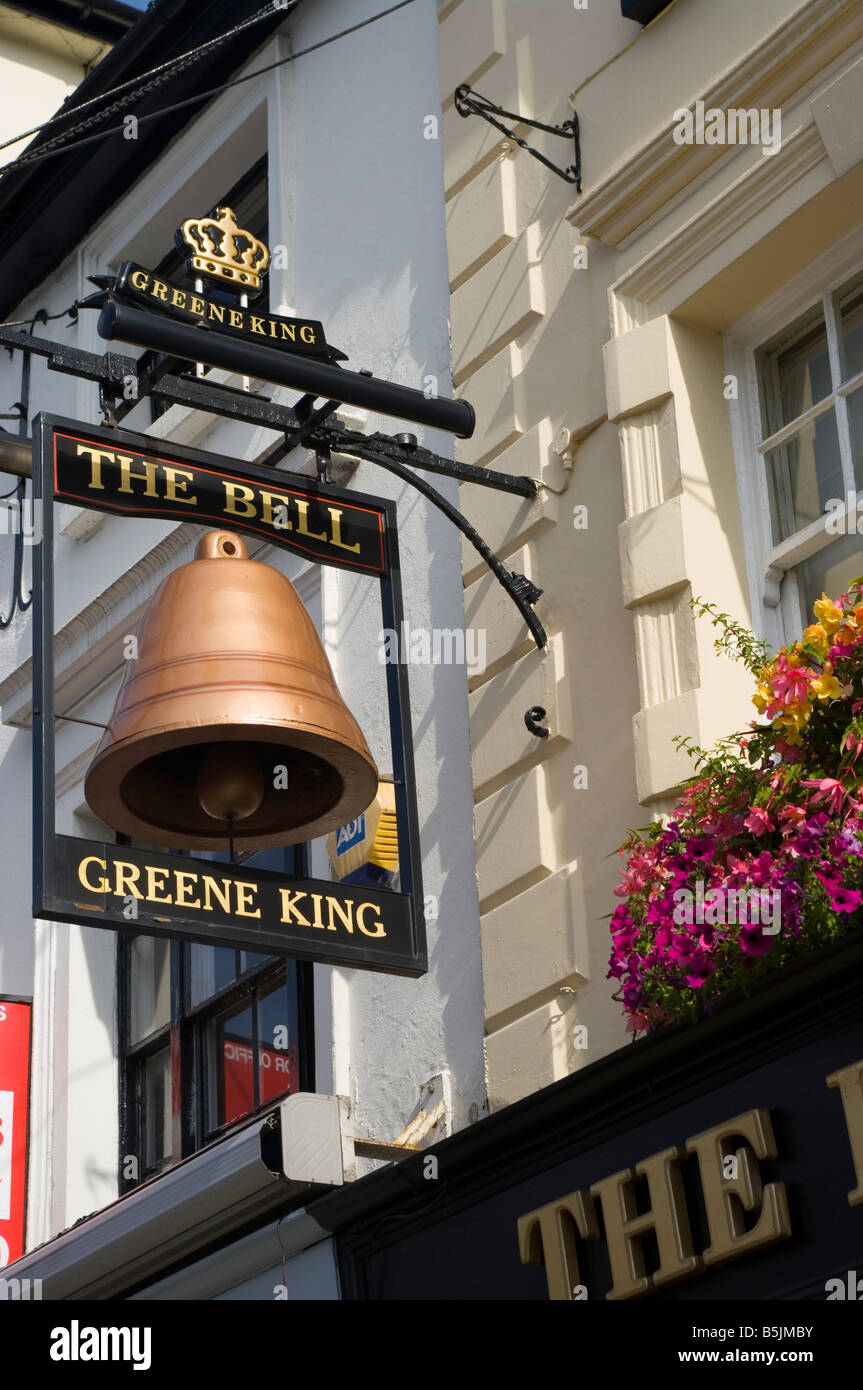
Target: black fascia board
<point x="808" y="998"/>
<point x="106" y="20"/>
<point x="47" y="208"/>
<point x="643" y="11"/>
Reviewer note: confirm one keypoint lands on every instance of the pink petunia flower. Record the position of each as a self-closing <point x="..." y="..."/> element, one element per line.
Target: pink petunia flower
<point x="827" y="789"/>
<point x="758" y="821"/>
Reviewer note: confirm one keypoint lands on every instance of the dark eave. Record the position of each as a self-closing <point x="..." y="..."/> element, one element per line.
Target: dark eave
<point x="106" y="20"/>
<point x="47" y="208"/>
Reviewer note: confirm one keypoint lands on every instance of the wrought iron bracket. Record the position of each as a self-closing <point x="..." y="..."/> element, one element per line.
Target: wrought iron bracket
<point x="523" y="593"/>
<point x="470" y="103"/>
<point x="301" y="424"/>
<point x="532" y="718"/>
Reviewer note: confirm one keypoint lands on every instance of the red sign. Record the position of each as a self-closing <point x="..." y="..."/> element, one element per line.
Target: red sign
<point x="278" y="1074"/>
<point x="14" y="1085"/>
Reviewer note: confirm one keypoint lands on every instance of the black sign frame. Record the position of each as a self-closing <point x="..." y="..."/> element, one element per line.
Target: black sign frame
<point x="64" y="893"/>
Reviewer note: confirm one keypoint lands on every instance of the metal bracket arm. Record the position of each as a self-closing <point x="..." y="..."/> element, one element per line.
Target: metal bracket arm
<point x="303" y="424"/>
<point x="520" y="589"/>
<point x="470" y="103"/>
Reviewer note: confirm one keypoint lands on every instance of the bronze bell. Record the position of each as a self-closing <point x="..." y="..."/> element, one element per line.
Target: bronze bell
<point x="231" y="695"/>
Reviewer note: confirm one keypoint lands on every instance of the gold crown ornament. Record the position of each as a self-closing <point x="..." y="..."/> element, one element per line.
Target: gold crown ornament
<point x="223" y="251"/>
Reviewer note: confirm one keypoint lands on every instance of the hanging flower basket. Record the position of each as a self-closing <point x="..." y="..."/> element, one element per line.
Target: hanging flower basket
<point x="762" y="859"/>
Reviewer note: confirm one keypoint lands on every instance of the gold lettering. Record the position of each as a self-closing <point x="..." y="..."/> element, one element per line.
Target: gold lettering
<point x="126" y="475"/>
<point x="288" y="330"/>
<point x="268" y="498"/>
<point x="223" y="894"/>
<point x="547" y="1235"/>
<point x="667" y="1219"/>
<point x="369" y="907"/>
<point x="235" y="492"/>
<point x="316" y="899"/>
<point x="178" y="298"/>
<point x="726" y="1199"/>
<point x="849" y="1083"/>
<point x="273" y="327"/>
<point x="153" y="886"/>
<point x="216" y="311"/>
<point x="236" y="318"/>
<point x="184" y="888"/>
<point x="102" y="886"/>
<point x="345" y="914"/>
<point x="171" y="476"/>
<point x="140" y="279"/>
<point x="125" y="879"/>
<point x="196" y="305"/>
<point x="244" y="891"/>
<point x="289" y="907"/>
<point x="159" y="290"/>
<point x="307" y="333"/>
<point x="336" y="522"/>
<point x="96" y="457"/>
<point x="303" y="528"/>
<point x="253" y="321"/>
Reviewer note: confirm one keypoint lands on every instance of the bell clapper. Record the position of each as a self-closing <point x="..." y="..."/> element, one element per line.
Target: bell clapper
<point x="229" y="820"/>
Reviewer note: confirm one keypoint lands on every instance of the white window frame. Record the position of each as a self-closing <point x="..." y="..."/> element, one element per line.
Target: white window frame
<point x="774" y="599"/>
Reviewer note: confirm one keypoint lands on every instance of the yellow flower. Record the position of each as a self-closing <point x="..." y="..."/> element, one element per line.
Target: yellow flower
<point x="828" y="615"/>
<point x="794" y="739"/>
<point x="817" y="638"/>
<point x="794" y="718"/>
<point x="762" y="697"/>
<point x="826" y="686"/>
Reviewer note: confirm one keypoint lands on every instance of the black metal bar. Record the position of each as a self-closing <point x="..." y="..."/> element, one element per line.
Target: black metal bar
<point x="292" y="441"/>
<point x="244" y="406"/>
<point x="343" y="441"/>
<point x="402" y="745"/>
<point x="249" y="408"/>
<point x="120" y="321"/>
<point x="71" y="360"/>
<point x="520" y="590"/>
<point x="43" y="679"/>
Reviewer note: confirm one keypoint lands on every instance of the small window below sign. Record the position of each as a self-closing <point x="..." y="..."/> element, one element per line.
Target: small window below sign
<point x="209" y="1036"/>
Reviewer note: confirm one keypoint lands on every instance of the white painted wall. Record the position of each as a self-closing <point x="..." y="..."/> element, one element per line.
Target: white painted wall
<point x="40" y="64"/>
<point x="357" y="193"/>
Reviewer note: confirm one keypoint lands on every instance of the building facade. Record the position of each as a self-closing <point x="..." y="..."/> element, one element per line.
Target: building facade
<point x="672" y="350"/>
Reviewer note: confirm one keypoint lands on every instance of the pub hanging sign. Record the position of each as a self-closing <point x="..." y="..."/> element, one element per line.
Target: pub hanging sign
<point x="229" y="732"/>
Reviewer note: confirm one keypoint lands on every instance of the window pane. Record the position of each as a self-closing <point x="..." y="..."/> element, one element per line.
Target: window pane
<point x="285" y="859"/>
<point x="803" y="475"/>
<point x="278" y="1058"/>
<point x="157" y="1108"/>
<point x="855" y="415"/>
<point x="151" y="986"/>
<point x="830" y="571"/>
<point x="793" y="371"/>
<point x="850" y="306"/>
<point x="230" y="1081"/>
<point x="250" y="960"/>
<point x="213" y="967"/>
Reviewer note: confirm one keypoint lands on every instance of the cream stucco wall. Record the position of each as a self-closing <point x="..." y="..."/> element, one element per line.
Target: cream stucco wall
<point x="624" y="345"/>
<point x="527" y="336"/>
